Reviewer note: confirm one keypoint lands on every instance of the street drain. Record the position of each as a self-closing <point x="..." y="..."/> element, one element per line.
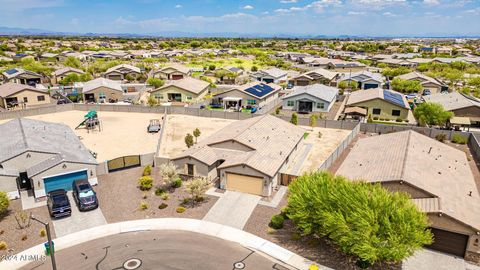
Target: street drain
<point x="132" y="264"/>
<point x="239" y="265"/>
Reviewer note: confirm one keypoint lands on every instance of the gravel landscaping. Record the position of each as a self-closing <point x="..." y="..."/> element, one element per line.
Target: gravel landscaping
<point x="12" y="234"/>
<point x="120" y="198"/>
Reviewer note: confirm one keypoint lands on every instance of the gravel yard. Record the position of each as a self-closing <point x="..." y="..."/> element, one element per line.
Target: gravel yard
<point x="120" y="198"/>
<point x="12" y="234"/>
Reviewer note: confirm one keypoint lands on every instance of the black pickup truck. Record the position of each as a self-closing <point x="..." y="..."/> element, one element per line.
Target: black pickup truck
<point x="58" y="203"/>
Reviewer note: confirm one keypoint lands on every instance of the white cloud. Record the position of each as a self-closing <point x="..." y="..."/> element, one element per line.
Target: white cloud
<point x="288" y="1"/>
<point x="248" y="7"/>
<point x="431" y="2"/>
<point x="178" y="6"/>
<point x="389" y="14"/>
<point x="356" y="13"/>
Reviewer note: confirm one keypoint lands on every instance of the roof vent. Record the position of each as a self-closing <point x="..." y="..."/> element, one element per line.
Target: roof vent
<point x="470" y="193"/>
<point x="430" y="150"/>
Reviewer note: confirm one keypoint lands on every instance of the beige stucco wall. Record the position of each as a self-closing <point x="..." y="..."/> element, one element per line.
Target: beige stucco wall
<point x="414" y="192"/>
<point x="175" y="90"/>
<point x="386" y="109"/>
<point x="232" y="145"/>
<point x="239" y="94"/>
<point x="8" y="183"/>
<point x="168" y="73"/>
<point x="32" y="98"/>
<point x="434" y="89"/>
<point x="267" y="189"/>
<point x="22" y="162"/>
<point x="110" y="93"/>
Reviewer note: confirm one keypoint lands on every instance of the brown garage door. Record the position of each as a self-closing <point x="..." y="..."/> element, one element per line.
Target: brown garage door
<point x="177" y="77"/>
<point x="244" y="183"/>
<point x="449" y="242"/>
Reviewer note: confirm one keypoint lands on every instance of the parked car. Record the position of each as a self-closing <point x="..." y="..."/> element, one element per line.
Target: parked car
<point x="411" y="96"/>
<point x="84" y="195"/>
<point x="58" y="203"/>
<point x="426" y="92"/>
<point x="154" y="126"/>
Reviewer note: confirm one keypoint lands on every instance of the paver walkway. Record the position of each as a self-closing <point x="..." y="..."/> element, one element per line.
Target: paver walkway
<point x="78" y="221"/>
<point x="429" y="259"/>
<point x="233" y="209"/>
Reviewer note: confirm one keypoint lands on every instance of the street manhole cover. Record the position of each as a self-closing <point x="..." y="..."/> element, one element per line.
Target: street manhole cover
<point x="239" y="265"/>
<point x="132" y="264"/>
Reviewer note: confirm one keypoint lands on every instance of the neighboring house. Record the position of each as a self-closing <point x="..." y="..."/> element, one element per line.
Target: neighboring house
<point x="172" y="72"/>
<point x="60" y="74"/>
<point x="47" y="156"/>
<point x="254" y="94"/>
<point x="21" y="56"/>
<point x="444" y="50"/>
<point x="233" y="75"/>
<point x="311" y="98"/>
<point x="13" y="94"/>
<point x="102" y="90"/>
<point x="460" y="104"/>
<point x="429" y="83"/>
<point x="380" y="103"/>
<point x="186" y="90"/>
<point x="438" y="178"/>
<point x="21" y="76"/>
<point x="333" y="64"/>
<point x="396" y="62"/>
<point x="49" y="56"/>
<point x="246" y="156"/>
<point x="318" y="75"/>
<point x="365" y="79"/>
<point x="121" y="72"/>
<point x="273" y="75"/>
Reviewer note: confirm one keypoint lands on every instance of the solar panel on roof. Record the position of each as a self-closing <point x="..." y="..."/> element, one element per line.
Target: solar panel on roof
<point x="259" y="90"/>
<point x="393" y="97"/>
<point x="11" y="71"/>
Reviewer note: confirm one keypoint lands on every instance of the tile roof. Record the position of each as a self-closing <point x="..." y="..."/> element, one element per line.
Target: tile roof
<point x="123" y="68"/>
<point x="418" y="76"/>
<point x="189" y="84"/>
<point x="14" y="72"/>
<point x="99" y="82"/>
<point x="390" y="96"/>
<point x="320" y="91"/>
<point x="10" y="88"/>
<point x="453" y="101"/>
<point x="64" y="70"/>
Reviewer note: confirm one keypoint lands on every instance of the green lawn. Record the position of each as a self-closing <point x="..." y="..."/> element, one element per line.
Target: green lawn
<point x="214" y="109"/>
<point x="390" y="123"/>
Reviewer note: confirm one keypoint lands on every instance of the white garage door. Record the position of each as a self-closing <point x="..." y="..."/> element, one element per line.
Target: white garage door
<point x="244" y="183"/>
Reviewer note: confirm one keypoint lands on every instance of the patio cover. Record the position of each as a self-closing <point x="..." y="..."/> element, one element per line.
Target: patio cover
<point x="457" y="120"/>
<point x="232" y="99"/>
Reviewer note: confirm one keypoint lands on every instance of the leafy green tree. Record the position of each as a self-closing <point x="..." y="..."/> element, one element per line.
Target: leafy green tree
<point x="196" y="134"/>
<point x="406" y="86"/>
<point x="362" y="219"/>
<point x="4" y="202"/>
<point x="73" y="62"/>
<point x="313" y="120"/>
<point x="197" y="187"/>
<point x="169" y="173"/>
<point x="155" y="82"/>
<point x="430" y="113"/>
<point x="74" y="77"/>
<point x="189" y="140"/>
<point x="254" y="68"/>
<point x="152" y="101"/>
<point x="393" y="72"/>
<point x="294" y="119"/>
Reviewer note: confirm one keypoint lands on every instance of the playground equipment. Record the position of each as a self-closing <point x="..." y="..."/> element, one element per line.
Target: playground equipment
<point x="91" y="121"/>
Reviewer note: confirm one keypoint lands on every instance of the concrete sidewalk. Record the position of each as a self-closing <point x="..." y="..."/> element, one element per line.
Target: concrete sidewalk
<point x="233" y="209"/>
<point x="436" y="260"/>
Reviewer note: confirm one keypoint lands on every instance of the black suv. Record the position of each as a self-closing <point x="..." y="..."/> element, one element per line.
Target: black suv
<point x="58" y="203"/>
<point x="84" y="195"/>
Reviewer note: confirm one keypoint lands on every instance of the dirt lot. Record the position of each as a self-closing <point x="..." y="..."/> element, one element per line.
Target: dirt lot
<point x="120" y="198"/>
<point x="12" y="234"/>
<point x="122" y="133"/>
<point x="179" y="125"/>
<point x="322" y="147"/>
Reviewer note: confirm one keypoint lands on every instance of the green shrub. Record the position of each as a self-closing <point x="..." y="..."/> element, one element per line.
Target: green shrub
<point x="143" y="206"/>
<point x="145" y="182"/>
<point x="375" y="118"/>
<point x="4" y="202"/>
<point x="362" y="219"/>
<point x="3" y="245"/>
<point x="147" y="170"/>
<point x="177" y="183"/>
<point x="181" y="209"/>
<point x="399" y="120"/>
<point x="457" y="138"/>
<point x="160" y="191"/>
<point x="43" y="233"/>
<point x="165" y="196"/>
<point x="277" y="222"/>
<point x="277" y="110"/>
<point x="162" y="206"/>
<point x="441" y="137"/>
<point x="186" y="200"/>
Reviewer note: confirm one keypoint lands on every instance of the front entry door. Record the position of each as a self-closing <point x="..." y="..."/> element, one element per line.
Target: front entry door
<point x="305" y="106"/>
<point x="24" y="182"/>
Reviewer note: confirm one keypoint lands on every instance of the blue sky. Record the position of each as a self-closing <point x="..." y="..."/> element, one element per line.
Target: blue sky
<point x="321" y="17"/>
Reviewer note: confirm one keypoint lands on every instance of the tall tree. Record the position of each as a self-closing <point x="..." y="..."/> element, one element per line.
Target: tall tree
<point x="430" y="113"/>
<point x="196" y="134"/>
<point x="189" y="140"/>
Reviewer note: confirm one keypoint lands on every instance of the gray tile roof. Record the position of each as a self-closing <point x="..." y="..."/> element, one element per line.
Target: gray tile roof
<point x="123" y="68"/>
<point x="21" y="135"/>
<point x="189" y="84"/>
<point x="453" y="101"/>
<point x="374" y="93"/>
<point x="8" y="89"/>
<point x="320" y="91"/>
<point x="101" y="82"/>
<point x="64" y="70"/>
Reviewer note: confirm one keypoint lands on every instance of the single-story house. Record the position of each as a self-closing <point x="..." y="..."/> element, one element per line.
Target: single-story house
<point x="246" y="156"/>
<point x="14" y="94"/>
<point x="318" y="75"/>
<point x="186" y="90"/>
<point x="21" y="76"/>
<point x="333" y="64"/>
<point x="101" y="90"/>
<point x="273" y="75"/>
<point x="173" y="72"/>
<point x="310" y="98"/>
<point x="47" y="156"/>
<point x="254" y="94"/>
<point x="60" y="74"/>
<point x="365" y="79"/>
<point x="438" y="178"/>
<point x="460" y="104"/>
<point x="121" y="72"/>
<point x="380" y="103"/>
<point x="434" y="85"/>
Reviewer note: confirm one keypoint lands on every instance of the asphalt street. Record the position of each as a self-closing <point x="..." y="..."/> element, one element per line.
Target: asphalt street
<point x="169" y="250"/>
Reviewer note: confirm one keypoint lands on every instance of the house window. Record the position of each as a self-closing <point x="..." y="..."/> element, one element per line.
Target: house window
<point x="251" y="101"/>
<point x="41" y="98"/>
<point x="290" y="103"/>
<point x="102" y="95"/>
<point x="190" y="169"/>
<point x="376" y="111"/>
<point x="395" y="112"/>
<point x="320" y="105"/>
<point x="25" y="99"/>
<point x="189" y="97"/>
<point x="158" y="96"/>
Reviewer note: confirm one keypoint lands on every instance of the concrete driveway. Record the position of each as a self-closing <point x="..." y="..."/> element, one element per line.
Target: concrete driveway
<point x="431" y="259"/>
<point x="233" y="209"/>
<point x="78" y="221"/>
<point x="160" y="250"/>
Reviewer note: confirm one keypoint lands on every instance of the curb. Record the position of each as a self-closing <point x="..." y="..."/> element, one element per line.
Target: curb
<point x="180" y="224"/>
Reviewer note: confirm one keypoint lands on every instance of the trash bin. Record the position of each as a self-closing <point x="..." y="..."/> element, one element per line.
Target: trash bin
<point x="47" y="248"/>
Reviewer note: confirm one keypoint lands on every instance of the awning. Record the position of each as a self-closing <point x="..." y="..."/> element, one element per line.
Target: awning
<point x="355" y="110"/>
<point x="232" y="99"/>
<point x="457" y="120"/>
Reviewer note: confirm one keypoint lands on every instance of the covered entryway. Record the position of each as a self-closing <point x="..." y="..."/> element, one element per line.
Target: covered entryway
<point x="370" y="86"/>
<point x="305" y="106"/>
<point x="177" y="77"/>
<point x="449" y="242"/>
<point x="175" y="97"/>
<point x="245" y="183"/>
<point x="63" y="181"/>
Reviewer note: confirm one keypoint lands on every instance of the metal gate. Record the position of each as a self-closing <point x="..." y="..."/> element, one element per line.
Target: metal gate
<point x="122" y="163"/>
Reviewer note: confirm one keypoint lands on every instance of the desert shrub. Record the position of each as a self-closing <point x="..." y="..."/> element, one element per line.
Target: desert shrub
<point x="162" y="206"/>
<point x="160" y="191"/>
<point x="4" y="202"/>
<point x="457" y="138"/>
<point x="181" y="209"/>
<point x="24" y="237"/>
<point x="143" y="206"/>
<point x="362" y="219"/>
<point x="43" y="233"/>
<point x="145" y="182"/>
<point x="147" y="170"/>
<point x="441" y="137"/>
<point x="3" y="245"/>
<point x="375" y="118"/>
<point x="277" y="110"/>
<point x="177" y="183"/>
<point x="164" y="196"/>
<point x="277" y="222"/>
<point x="398" y="120"/>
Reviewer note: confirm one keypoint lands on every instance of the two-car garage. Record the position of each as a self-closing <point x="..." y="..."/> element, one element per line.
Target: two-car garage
<point x="449" y="242"/>
<point x="63" y="181"/>
<point x="245" y="183"/>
